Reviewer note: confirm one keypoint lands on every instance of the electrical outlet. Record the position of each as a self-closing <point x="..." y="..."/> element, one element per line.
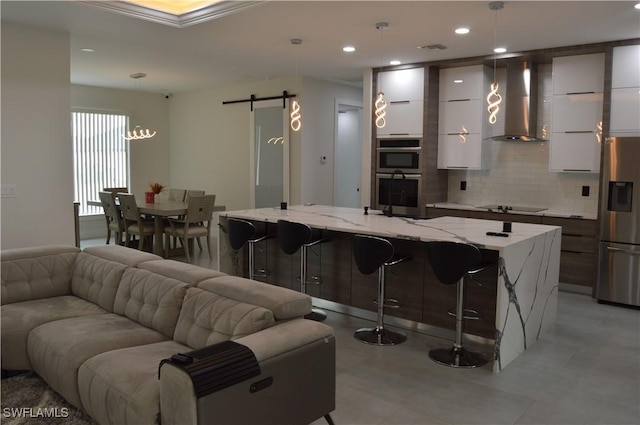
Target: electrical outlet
<point x="8" y="191"/>
<point x="463" y="185"/>
<point x="585" y="190"/>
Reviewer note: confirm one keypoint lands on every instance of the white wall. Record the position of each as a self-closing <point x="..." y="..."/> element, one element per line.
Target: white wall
<point x="149" y="158"/>
<point x="36" y="138"/>
<point x="210" y="141"/>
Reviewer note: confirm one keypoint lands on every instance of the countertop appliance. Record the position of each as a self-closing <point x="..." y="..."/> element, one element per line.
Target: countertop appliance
<point x="619" y="250"/>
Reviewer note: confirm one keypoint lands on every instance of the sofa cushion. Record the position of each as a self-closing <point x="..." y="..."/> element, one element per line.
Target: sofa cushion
<point x="284" y="303"/>
<point x="150" y="299"/>
<point x="20" y="318"/>
<point x="57" y="349"/>
<point x="207" y="318"/>
<point x="121" y="387"/>
<point x="181" y="271"/>
<point x="36" y="273"/>
<point x="121" y="254"/>
<point x="96" y="279"/>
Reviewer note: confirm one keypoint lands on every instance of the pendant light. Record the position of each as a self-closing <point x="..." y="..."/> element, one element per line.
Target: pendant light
<point x="296" y="117"/>
<point x="494" y="98"/>
<point x="138" y="132"/>
<point x="380" y="103"/>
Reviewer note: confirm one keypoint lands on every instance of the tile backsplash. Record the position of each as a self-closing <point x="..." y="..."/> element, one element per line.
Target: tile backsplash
<point x="519" y="174"/>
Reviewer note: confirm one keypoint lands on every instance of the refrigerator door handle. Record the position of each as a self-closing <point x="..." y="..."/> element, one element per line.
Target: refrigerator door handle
<point x="625" y="251"/>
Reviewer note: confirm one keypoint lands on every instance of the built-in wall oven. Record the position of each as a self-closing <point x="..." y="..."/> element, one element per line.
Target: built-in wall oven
<point x="399" y="154"/>
<point x="400" y="190"/>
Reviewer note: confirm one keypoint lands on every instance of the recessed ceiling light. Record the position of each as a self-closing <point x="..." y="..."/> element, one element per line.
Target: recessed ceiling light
<point x="458" y="81"/>
<point x="87" y="49"/>
<point x="500" y="49"/>
<point x="462" y="30"/>
<point x="637" y="6"/>
<point x="348" y="49"/>
<point x="394" y="62"/>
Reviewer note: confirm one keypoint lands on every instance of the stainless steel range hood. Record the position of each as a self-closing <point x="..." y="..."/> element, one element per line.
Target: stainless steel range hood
<point x="520" y="104"/>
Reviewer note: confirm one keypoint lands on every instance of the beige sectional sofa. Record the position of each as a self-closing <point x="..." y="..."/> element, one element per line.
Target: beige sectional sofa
<point x="132" y="338"/>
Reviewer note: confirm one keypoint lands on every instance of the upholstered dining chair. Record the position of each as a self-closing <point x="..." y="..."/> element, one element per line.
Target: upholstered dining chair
<point x="177" y="194"/>
<point x="116" y="190"/>
<point x="195" y="224"/>
<point x="133" y="223"/>
<point x="113" y="216"/>
<point x="188" y="194"/>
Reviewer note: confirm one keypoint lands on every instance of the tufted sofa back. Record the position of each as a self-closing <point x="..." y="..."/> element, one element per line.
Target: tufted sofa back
<point x="35" y="273"/>
<point x="150" y="299"/>
<point x="207" y="318"/>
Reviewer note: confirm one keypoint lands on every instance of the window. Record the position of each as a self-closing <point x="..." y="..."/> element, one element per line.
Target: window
<point x="100" y="156"/>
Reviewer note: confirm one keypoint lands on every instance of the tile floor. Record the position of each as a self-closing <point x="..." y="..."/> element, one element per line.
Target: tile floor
<point x="586" y="370"/>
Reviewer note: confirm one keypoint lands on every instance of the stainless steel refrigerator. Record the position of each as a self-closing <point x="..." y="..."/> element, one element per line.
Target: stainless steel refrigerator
<point x="619" y="268"/>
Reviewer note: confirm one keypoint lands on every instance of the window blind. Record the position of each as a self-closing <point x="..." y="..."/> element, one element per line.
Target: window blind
<point x="101" y="156"/>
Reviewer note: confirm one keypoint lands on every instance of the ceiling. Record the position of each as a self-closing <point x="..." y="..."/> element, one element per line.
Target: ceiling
<point x="254" y="42"/>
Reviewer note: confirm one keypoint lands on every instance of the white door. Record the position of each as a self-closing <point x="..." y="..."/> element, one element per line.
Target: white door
<point x="348" y="156"/>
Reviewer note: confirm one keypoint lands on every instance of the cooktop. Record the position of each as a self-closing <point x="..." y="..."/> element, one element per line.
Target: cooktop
<point x="507" y="208"/>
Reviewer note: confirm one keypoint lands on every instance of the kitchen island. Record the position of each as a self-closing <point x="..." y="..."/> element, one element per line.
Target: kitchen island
<point x="516" y="300"/>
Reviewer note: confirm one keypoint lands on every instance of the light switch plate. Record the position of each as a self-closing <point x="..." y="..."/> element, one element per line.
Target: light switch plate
<point x="8" y="191"/>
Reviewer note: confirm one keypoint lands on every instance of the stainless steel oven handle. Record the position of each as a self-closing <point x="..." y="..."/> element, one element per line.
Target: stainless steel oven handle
<point x="626" y="251"/>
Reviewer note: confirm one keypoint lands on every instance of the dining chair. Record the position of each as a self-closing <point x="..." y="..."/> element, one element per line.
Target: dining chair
<point x="113" y="216"/>
<point x="133" y="223"/>
<point x="196" y="223"/>
<point x="188" y="194"/>
<point x="116" y="190"/>
<point x="177" y="194"/>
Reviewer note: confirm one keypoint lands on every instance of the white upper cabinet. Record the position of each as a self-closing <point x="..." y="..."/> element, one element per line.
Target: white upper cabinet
<point x="576" y="119"/>
<point x="402" y="85"/>
<point x="462" y="118"/>
<point x="578" y="74"/>
<point x="625" y="92"/>
<point x="626" y="67"/>
<point x="404" y="93"/>
<point x="462" y="83"/>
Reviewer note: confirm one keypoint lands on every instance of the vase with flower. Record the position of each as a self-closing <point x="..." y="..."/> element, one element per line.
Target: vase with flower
<point x="156" y="188"/>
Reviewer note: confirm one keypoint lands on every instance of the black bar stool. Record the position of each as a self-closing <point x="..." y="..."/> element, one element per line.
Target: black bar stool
<point x="241" y="232"/>
<point x="372" y="253"/>
<point x="293" y="236"/>
<point x="452" y="262"/>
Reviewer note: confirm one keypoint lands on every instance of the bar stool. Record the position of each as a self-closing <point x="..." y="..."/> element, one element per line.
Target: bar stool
<point x="293" y="236"/>
<point x="372" y="253"/>
<point x="241" y="232"/>
<point x="452" y="262"/>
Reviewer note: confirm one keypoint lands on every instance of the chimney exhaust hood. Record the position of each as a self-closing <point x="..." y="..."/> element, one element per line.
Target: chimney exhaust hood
<point x="521" y="103"/>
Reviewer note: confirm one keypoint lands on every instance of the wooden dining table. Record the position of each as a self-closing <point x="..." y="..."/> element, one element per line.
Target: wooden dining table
<point x="161" y="210"/>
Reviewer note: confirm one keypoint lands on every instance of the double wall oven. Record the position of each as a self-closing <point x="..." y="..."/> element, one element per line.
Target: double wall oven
<point x="399" y="175"/>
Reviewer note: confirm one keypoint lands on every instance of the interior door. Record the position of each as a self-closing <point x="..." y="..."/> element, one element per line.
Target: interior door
<point x="269" y="154"/>
<point x="348" y="156"/>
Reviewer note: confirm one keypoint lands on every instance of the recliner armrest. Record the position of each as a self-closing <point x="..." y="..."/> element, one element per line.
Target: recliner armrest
<point x="296" y="359"/>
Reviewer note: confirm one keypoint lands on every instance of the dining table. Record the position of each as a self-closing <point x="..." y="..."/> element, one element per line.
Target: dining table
<point x="160" y="210"/>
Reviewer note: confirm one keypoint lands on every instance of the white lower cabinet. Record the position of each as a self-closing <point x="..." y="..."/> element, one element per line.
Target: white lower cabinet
<point x="575" y="152"/>
<point x="460" y="151"/>
<point x="625" y="112"/>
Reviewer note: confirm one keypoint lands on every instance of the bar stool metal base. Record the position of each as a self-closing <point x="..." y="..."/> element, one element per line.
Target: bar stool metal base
<point x="316" y="315"/>
<point x="380" y="336"/>
<point x="457" y="357"/>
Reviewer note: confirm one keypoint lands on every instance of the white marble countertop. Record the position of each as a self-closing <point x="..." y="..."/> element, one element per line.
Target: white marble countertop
<point x="545" y="213"/>
<point x="352" y="220"/>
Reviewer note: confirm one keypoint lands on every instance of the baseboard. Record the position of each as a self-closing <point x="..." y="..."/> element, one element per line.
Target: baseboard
<point x="576" y="289"/>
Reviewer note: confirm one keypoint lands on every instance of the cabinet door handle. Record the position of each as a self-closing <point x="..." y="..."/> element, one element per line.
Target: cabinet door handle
<point x="458" y="134"/>
<point x="576" y="170"/>
<point x="579" y="132"/>
<point x="580" y="92"/>
<point x="456" y="168"/>
<point x="625" y="251"/>
<point x="458" y="100"/>
<point x="398" y="134"/>
<point x="396" y="102"/>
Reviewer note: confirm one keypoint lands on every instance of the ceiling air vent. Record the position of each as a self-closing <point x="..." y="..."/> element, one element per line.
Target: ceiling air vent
<point x="433" y="47"/>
